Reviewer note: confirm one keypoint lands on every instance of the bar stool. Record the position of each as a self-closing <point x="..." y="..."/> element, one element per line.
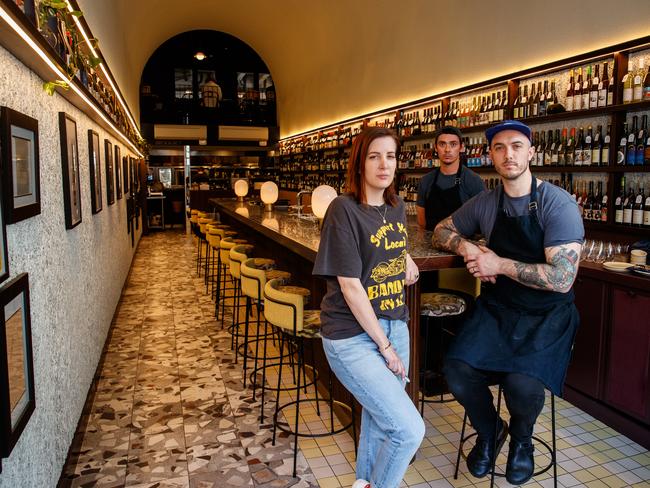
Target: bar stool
<point x="213" y="234"/>
<point x="238" y="254"/>
<point x="443" y="312"/>
<point x="216" y="235"/>
<point x="285" y="310"/>
<point x="203" y="222"/>
<point x="255" y="272"/>
<point x="551" y="449"/>
<point x="225" y="245"/>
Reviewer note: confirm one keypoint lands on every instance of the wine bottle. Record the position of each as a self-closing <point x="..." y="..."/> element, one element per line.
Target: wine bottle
<point x="569" y="93"/>
<point x="581" y="203"/>
<point x="630" y="156"/>
<point x="586" y="148"/>
<point x="541" y="149"/>
<point x="593" y="89"/>
<point x="622" y="146"/>
<point x="603" y="84"/>
<point x="604" y="208"/>
<point x="646" y="212"/>
<point x="628" y="208"/>
<point x="637" y="84"/>
<point x="628" y="86"/>
<point x="589" y="203"/>
<point x="533" y="103"/>
<point x="561" y="156"/>
<point x="597" y="147"/>
<point x="646" y="85"/>
<point x="640" y="141"/>
<point x="577" y="91"/>
<point x="596" y="204"/>
<point x="555" y="149"/>
<point x="604" y="157"/>
<point x="578" y="158"/>
<point x="538" y="150"/>
<point x="586" y="89"/>
<point x="543" y="102"/>
<point x="569" y="155"/>
<point x="548" y="151"/>
<point x="619" y="203"/>
<point x="637" y="212"/>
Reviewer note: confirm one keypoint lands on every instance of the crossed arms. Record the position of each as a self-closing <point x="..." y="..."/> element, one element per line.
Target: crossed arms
<point x="556" y="274"/>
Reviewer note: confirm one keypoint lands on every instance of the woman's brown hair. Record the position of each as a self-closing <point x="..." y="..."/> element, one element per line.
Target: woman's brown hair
<point x="357" y="164"/>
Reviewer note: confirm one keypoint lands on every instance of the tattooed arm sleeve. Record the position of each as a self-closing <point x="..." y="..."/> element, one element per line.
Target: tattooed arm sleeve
<point x="557" y="274"/>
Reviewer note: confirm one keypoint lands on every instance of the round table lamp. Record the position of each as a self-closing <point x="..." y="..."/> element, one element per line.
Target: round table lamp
<point x="321" y="198"/>
<point x="269" y="195"/>
<point x="241" y="189"/>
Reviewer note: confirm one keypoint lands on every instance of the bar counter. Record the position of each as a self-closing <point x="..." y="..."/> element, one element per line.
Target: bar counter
<point x="296" y="240"/>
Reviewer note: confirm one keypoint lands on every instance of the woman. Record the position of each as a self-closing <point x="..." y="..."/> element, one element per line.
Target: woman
<point x="362" y="256"/>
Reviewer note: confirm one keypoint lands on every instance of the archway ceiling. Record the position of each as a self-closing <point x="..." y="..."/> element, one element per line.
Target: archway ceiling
<point x="333" y="59"/>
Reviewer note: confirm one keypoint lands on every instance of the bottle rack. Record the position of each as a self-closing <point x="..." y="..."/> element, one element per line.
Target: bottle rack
<point x="616" y="114"/>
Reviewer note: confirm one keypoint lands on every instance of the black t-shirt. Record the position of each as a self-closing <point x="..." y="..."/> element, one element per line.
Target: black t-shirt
<point x="470" y="184"/>
<point x="355" y="243"/>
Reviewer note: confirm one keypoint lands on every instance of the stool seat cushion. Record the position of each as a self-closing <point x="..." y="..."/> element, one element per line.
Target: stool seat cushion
<point x="296" y="290"/>
<point x="276" y="273"/>
<point x="310" y="325"/>
<point x="441" y="304"/>
<point x="263" y="263"/>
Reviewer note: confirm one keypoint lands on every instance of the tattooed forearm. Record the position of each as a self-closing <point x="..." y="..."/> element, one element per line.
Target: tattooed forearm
<point x="557" y="274"/>
<point x="446" y="236"/>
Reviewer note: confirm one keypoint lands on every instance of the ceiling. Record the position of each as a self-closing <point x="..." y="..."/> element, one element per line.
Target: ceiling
<point x="334" y="59"/>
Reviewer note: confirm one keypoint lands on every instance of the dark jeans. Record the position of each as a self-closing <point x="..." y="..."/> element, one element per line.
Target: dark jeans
<point x="524" y="397"/>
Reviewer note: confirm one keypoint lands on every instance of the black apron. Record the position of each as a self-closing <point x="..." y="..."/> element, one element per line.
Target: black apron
<point x="440" y="204"/>
<point x="514" y="328"/>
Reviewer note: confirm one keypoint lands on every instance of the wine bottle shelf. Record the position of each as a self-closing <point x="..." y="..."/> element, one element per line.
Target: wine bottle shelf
<point x="574" y="169"/>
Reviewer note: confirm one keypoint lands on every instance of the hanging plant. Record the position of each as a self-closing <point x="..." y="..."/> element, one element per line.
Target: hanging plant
<point x="60" y="30"/>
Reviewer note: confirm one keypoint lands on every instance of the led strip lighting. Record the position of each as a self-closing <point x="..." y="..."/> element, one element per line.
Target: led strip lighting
<point x="57" y="71"/>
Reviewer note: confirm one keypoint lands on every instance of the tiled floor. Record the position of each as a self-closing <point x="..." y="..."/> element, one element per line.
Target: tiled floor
<point x="170" y="409"/>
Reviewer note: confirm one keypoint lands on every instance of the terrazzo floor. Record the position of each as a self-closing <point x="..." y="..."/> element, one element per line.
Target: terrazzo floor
<point x="168" y="408"/>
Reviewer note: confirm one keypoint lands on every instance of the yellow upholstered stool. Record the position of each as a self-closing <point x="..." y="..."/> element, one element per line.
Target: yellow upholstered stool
<point x="226" y="283"/>
<point x="285" y="311"/>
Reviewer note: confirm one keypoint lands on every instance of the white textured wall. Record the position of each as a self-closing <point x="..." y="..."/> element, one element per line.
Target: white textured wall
<point x="75" y="279"/>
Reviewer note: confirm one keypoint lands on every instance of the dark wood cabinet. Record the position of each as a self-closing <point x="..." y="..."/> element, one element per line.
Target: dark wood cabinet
<point x="586" y="369"/>
<point x="628" y="365"/>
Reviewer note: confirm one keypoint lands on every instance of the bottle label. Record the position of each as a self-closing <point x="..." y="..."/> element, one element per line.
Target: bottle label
<point x="569" y="104"/>
<point x="646" y="217"/>
<point x="617" y="202"/>
<point x="627" y="95"/>
<point x="637" y="217"/>
<point x="618" y="218"/>
<point x="646" y="92"/>
<point x="604" y="200"/>
<point x="586" y="158"/>
<point x="595" y="156"/>
<point x="638" y="93"/>
<point x="610" y="98"/>
<point x="620" y="157"/>
<point x="638" y="199"/>
<point x="627" y="216"/>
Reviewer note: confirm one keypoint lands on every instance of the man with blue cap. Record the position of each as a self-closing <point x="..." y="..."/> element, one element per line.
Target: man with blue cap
<point x="522" y="329"/>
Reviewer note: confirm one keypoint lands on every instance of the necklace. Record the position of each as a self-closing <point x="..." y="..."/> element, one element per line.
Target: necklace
<point x="383" y="217"/>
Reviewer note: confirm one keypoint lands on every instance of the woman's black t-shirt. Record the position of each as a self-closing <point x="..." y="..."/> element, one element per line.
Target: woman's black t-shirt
<point x="356" y="243"/>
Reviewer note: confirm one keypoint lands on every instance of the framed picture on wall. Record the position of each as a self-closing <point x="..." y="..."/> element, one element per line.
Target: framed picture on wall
<point x="118" y="172"/>
<point x="95" y="164"/>
<point x="17" y="398"/>
<point x="110" y="174"/>
<point x="4" y="255"/>
<point x="70" y="162"/>
<point x="20" y="165"/>
<point x="125" y="173"/>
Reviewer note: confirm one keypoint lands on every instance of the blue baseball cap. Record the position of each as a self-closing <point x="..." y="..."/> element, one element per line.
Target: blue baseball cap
<point x="508" y="125"/>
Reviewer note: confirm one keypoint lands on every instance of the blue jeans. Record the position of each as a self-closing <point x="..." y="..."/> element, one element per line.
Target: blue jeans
<point x="391" y="426"/>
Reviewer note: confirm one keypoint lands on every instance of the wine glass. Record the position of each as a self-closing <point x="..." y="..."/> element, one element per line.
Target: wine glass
<point x="609" y="251"/>
<point x="599" y="252"/>
<point x="588" y="249"/>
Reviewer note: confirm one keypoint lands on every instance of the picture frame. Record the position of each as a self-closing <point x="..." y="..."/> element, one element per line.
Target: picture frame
<point x="110" y="182"/>
<point x="17" y="392"/>
<point x="95" y="165"/>
<point x="125" y="173"/>
<point x="20" y="165"/>
<point x="70" y="166"/>
<point x="118" y="172"/>
<point x="4" y="254"/>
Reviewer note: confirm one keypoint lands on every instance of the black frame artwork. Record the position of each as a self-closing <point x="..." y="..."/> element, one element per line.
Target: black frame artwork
<point x="20" y="165"/>
<point x="125" y="173"/>
<point x="17" y="393"/>
<point x="110" y="183"/>
<point x="95" y="165"/>
<point x="70" y="166"/>
<point x="118" y="172"/>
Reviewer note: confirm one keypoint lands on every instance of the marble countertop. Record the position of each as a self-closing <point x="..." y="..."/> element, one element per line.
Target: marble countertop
<point x="302" y="234"/>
